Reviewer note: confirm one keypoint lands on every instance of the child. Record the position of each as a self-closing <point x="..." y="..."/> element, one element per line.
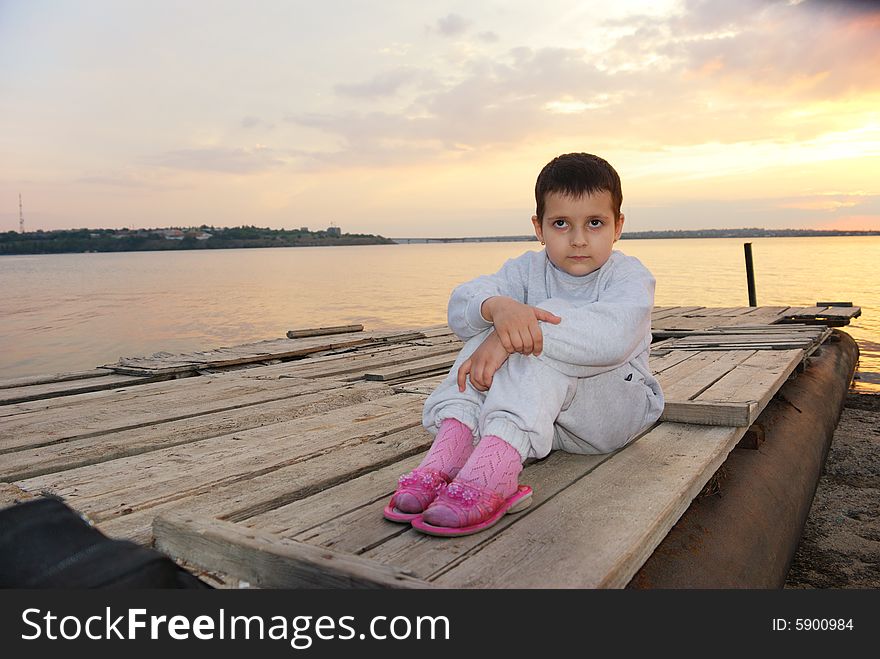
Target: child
<point x="555" y="357"/>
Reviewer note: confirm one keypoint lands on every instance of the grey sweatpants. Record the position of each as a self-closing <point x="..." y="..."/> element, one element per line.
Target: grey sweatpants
<point x="536" y="409"/>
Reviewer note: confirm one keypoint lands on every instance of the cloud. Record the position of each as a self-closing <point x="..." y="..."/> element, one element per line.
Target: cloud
<point x="130" y="179"/>
<point x="383" y="84"/>
<point x="219" y="159"/>
<point x="488" y="37"/>
<point x="255" y="122"/>
<point x="717" y="72"/>
<point x="452" y="25"/>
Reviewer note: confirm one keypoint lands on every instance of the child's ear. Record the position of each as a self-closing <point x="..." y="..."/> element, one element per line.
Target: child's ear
<point x="537" y="224"/>
<point x="618" y="227"/>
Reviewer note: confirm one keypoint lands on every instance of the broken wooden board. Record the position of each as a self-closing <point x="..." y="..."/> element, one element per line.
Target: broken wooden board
<point x="166" y="363"/>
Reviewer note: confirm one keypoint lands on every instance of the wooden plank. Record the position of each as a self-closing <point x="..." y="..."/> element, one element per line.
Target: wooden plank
<point x="436" y="330"/>
<point x="748" y="343"/>
<point x="363" y="528"/>
<point x="243" y="499"/>
<point x="11" y="494"/>
<point x="720" y="311"/>
<point x="756" y="379"/>
<point x="689" y="323"/>
<point x="323" y="331"/>
<point x="163" y="363"/>
<point x="719" y="338"/>
<point x="423" y="386"/>
<point x="354" y="365"/>
<point x="602" y="528"/>
<point x="429" y="365"/>
<point x="734" y="414"/>
<point x="760" y="315"/>
<point x="71" y="387"/>
<point x="30" y="380"/>
<point x="823" y="312"/>
<point x="333" y="503"/>
<point x="683" y="369"/>
<point x="125" y="485"/>
<point x="668" y="312"/>
<point x="791" y="345"/>
<point x="270" y="561"/>
<point x="659" y="363"/>
<point x="691" y="383"/>
<point x="73" y="453"/>
<point x="143" y="406"/>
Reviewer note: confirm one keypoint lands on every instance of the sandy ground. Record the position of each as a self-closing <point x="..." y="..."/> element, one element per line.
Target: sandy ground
<point x="840" y="547"/>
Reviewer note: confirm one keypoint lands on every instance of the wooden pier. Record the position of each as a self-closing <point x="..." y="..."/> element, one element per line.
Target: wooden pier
<point x="270" y="462"/>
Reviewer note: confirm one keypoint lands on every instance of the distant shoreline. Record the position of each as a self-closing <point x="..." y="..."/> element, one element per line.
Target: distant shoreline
<point x="637" y="235"/>
<point x="80" y="241"/>
<point x="115" y="240"/>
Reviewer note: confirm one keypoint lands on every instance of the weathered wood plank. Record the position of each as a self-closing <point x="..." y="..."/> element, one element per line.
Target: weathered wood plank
<point x="363" y="530"/>
<point x="73" y="453"/>
<point x="685" y="368"/>
<point x="720" y="311"/>
<point x="30" y="380"/>
<point x="11" y="494"/>
<point x="331" y="504"/>
<point x="734" y="414"/>
<point x="428" y="365"/>
<point x="125" y="485"/>
<point x="601" y="529"/>
<point x="163" y="363"/>
<point x="268" y="560"/>
<point x="756" y="379"/>
<point x="263" y="492"/>
<point x="423" y="386"/>
<point x="661" y="313"/>
<point x="110" y="380"/>
<point x="823" y="312"/>
<point x="355" y="365"/>
<point x="105" y="412"/>
<point x="689" y="323"/>
<point x="323" y="331"/>
<point x="691" y="384"/>
<point x="660" y="362"/>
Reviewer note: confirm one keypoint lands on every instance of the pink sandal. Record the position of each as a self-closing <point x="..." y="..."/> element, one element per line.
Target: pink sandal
<point x="477" y="508"/>
<point x="422" y="483"/>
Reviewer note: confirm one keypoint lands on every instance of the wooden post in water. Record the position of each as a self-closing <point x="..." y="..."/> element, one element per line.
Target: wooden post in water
<point x="750" y="274"/>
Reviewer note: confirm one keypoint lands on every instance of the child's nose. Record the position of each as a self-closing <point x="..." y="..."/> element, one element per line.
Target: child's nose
<point x="578" y="238"/>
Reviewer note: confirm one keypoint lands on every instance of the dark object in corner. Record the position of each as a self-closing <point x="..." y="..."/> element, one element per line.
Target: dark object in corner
<point x="46" y="544"/>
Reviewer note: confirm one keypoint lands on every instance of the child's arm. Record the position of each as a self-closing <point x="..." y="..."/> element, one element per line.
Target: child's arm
<point x="516" y="324"/>
<point x="601" y="336"/>
<point x="483" y="363"/>
<point x="463" y="313"/>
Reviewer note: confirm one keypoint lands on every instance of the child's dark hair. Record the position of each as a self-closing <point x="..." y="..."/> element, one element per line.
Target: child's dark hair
<point x="576" y="174"/>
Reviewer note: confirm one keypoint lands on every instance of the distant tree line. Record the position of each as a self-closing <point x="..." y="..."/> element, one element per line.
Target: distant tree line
<point x="744" y="233"/>
<point x="203" y="237"/>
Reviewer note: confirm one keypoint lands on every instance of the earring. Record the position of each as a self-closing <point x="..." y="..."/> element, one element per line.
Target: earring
<point x="542" y="242"/>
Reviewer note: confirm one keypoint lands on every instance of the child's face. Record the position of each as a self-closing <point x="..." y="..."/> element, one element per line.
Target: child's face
<point x="579" y="231"/>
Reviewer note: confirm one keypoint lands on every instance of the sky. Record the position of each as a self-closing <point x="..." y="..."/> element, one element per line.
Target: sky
<point x="412" y="119"/>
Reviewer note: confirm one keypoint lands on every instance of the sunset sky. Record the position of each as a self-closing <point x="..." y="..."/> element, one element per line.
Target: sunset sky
<point x="414" y="119"/>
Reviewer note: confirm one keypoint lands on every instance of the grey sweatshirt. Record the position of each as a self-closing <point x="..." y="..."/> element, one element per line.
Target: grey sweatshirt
<point x="606" y="315"/>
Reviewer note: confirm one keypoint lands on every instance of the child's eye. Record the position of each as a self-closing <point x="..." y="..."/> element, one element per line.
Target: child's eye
<point x="595" y="223"/>
<point x="559" y="224"/>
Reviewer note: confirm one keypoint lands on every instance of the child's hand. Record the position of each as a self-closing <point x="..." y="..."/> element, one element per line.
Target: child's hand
<point x="483" y="363"/>
<point x="517" y="324"/>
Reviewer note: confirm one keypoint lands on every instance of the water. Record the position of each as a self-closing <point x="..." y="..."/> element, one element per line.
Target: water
<point x="73" y="312"/>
